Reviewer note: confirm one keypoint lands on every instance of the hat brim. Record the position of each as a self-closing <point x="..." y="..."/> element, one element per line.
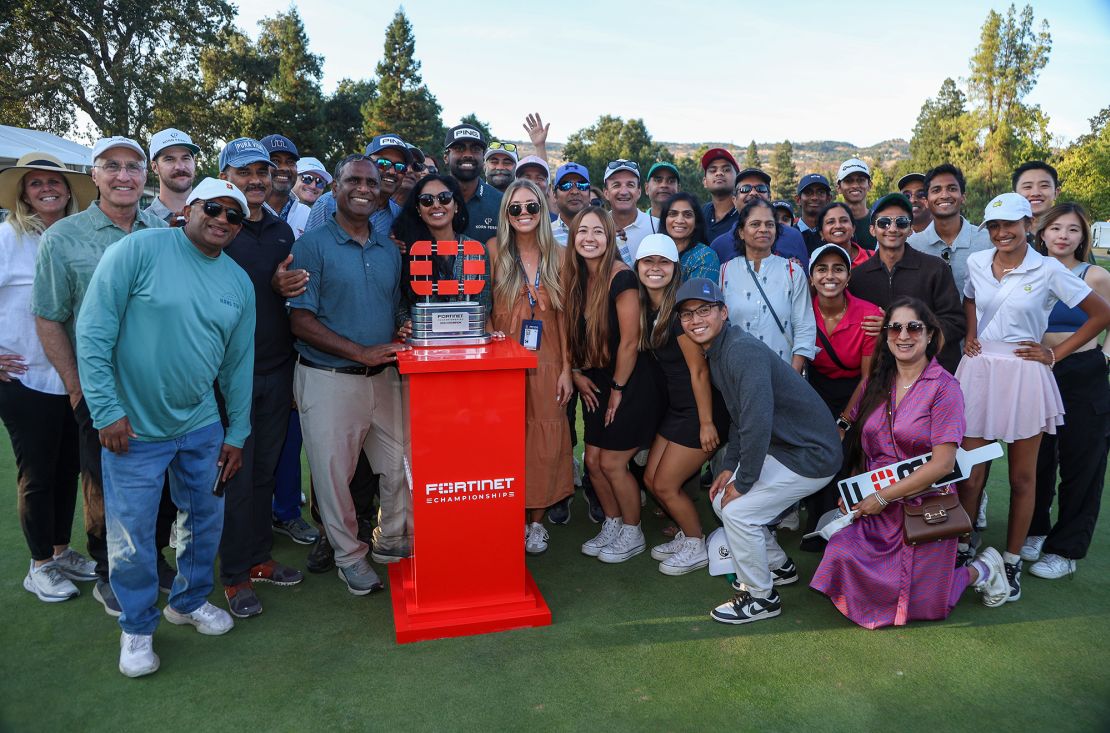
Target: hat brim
<point x="195" y="150"/>
<point x="81" y="185"/>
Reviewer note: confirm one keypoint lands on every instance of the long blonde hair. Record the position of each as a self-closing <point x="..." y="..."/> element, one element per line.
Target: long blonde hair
<point x="589" y="346"/>
<point x="508" y="280"/>
<point x="23" y="218"/>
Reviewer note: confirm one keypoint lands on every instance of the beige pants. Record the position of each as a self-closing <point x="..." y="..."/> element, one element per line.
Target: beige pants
<point x="342" y="414"/>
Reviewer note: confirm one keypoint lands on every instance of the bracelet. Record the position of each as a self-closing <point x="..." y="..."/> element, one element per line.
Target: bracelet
<point x="1053" y="358"/>
<point x="882" y="501"/>
<point x="617" y="387"/>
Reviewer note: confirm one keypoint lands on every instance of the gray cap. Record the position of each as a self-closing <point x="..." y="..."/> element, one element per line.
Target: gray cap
<point x="699" y="288"/>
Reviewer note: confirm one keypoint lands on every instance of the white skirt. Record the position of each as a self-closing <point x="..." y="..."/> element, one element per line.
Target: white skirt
<point x="1008" y="398"/>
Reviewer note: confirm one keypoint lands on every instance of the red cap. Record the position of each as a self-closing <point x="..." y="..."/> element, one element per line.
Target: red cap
<point x="715" y="154"/>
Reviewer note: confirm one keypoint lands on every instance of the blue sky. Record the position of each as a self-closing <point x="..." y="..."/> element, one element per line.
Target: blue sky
<point x="804" y="70"/>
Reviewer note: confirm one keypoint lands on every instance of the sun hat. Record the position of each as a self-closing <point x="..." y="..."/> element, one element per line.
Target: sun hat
<point x="81" y="185"/>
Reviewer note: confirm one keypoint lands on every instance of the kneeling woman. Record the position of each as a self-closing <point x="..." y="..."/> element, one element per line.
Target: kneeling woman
<point x="910" y="406"/>
<point x="695" y="418"/>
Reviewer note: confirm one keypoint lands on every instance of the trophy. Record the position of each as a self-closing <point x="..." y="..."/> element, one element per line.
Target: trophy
<point x="448" y="312"/>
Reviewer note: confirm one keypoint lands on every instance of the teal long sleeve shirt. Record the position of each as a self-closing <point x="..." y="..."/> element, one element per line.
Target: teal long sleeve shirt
<point x="160" y="323"/>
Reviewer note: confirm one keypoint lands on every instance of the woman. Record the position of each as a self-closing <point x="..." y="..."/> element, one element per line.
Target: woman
<point x="618" y="390"/>
<point x="695" y="417"/>
<point x="681" y="220"/>
<point x="910" y="405"/>
<point x="837" y="227"/>
<point x="1080" y="446"/>
<point x="34" y="406"/>
<point x="1006" y="372"/>
<point x="528" y="307"/>
<point x="768" y="295"/>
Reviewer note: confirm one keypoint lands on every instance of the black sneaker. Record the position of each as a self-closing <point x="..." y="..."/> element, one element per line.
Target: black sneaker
<point x="964" y="557"/>
<point x="1013" y="575"/>
<point x="103" y="592"/>
<point x="785" y="575"/>
<point x="706" y="479"/>
<point x="559" y="512"/>
<point x="596" y="513"/>
<point x="366" y="530"/>
<point x="745" y="608"/>
<point x="321" y="558"/>
<point x="166" y="575"/>
<point x="242" y="601"/>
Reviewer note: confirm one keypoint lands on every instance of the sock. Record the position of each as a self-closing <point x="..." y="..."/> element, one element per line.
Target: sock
<point x="1010" y="558"/>
<point x="983" y="570"/>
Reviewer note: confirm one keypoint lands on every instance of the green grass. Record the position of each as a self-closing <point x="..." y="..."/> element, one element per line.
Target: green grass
<point x="630" y="649"/>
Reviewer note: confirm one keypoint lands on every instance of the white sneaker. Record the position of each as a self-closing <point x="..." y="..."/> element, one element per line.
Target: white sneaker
<point x="173" y="535"/>
<point x="49" y="584"/>
<point x="629" y="542"/>
<point x="995" y="587"/>
<point x="208" y="619"/>
<point x="610" y="528"/>
<point x="791" y="522"/>
<point x="1031" y="548"/>
<point x="76" y="566"/>
<point x="136" y="654"/>
<point x="577" y="469"/>
<point x="691" y="557"/>
<point x="981" y="518"/>
<point x="1052" y="567"/>
<point x="640" y="459"/>
<point x="535" y="541"/>
<point x="665" y="550"/>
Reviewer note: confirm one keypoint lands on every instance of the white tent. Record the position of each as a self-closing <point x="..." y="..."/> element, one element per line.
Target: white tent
<point x="16" y="141"/>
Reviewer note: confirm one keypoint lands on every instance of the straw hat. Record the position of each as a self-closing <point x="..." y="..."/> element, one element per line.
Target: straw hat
<point x="81" y="185"/>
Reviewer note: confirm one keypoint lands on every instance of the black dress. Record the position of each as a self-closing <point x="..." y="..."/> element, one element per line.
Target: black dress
<point x="681" y="423"/>
<point x="637" y="417"/>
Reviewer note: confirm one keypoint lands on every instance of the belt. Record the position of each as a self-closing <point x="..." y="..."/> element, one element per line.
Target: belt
<point x="362" y="371"/>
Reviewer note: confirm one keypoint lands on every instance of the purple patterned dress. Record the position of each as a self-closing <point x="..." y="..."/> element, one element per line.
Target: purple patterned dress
<point x="868" y="572"/>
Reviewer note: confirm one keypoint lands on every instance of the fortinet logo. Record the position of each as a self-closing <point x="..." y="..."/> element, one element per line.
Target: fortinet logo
<point x="474" y="490"/>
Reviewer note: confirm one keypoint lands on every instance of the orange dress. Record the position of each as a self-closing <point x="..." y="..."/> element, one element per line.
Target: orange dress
<point x="548" y="470"/>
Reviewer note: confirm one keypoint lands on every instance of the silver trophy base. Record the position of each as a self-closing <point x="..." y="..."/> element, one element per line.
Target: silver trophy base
<point x="452" y="323"/>
<point x="454" y="341"/>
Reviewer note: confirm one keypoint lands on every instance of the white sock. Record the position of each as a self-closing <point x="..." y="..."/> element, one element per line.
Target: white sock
<point x="1010" y="558"/>
<point x="963" y="547"/>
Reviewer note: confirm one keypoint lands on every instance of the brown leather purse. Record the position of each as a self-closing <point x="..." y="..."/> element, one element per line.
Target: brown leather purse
<point x="937" y="517"/>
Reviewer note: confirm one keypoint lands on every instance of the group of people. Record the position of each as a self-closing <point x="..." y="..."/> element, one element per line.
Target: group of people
<point x="179" y="357"/>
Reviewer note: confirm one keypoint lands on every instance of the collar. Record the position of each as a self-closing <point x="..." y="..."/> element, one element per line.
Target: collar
<point x="911" y="260"/>
<point x="342" y="237"/>
<point x="101" y="220"/>
<point x="962" y="240"/>
<point x="1033" y="260"/>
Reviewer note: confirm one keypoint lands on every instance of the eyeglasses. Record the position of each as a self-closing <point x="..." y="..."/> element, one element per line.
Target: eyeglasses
<point x="385" y="164"/>
<point x="946" y="255"/>
<point x="747" y="188"/>
<point x="895" y="328"/>
<point x="234" y="217"/>
<point x="443" y="197"/>
<point x="621" y="163"/>
<point x="902" y="222"/>
<point x="532" y="207"/>
<point x="701" y="312"/>
<point x="507" y="147"/>
<point x="113" y="168"/>
<point x="310" y="180"/>
<point x="568" y="185"/>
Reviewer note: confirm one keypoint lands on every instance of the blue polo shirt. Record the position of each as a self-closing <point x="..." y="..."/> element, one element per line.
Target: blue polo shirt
<point x="353" y="289"/>
<point x="714" y="228"/>
<point x="788" y="244"/>
<point x="483" y="209"/>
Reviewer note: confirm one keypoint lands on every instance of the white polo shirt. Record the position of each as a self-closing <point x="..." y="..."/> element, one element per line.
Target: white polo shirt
<point x="1023" y="315"/>
<point x="634" y="233"/>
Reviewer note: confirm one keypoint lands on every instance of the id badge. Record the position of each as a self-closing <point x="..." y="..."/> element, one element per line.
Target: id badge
<point x="530" y="334"/>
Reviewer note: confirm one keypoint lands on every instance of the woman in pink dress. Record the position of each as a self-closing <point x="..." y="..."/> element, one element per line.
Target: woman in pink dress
<point x="910" y="406"/>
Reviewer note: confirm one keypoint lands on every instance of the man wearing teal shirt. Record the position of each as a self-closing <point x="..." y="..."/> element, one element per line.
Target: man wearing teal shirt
<point x="166" y="314"/>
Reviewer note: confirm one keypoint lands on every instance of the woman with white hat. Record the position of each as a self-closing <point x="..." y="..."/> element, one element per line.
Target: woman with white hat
<point x="1006" y="373"/>
<point x="34" y="407"/>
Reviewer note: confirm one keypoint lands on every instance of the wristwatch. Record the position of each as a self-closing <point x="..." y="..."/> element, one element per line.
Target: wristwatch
<point x="617" y="387"/>
<point x="843" y="424"/>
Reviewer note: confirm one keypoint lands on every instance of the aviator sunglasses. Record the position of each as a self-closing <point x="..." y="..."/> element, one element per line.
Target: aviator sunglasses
<point x="902" y="222"/>
<point x="895" y="328"/>
<point x="531" y="207"/>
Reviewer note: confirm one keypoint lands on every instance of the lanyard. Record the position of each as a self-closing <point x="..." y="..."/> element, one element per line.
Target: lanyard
<point x="531" y="298"/>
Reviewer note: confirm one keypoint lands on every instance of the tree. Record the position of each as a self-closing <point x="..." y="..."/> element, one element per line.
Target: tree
<point x="404" y="105"/>
<point x="751" y="160"/>
<point x="1084" y="168"/>
<point x="945" y="132"/>
<point x="611" y="138"/>
<point x="341" y="123"/>
<point x="472" y="119"/>
<point x="784" y="176"/>
<point x="25" y="101"/>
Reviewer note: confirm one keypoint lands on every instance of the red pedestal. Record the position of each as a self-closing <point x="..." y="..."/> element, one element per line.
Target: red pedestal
<point x="464" y="413"/>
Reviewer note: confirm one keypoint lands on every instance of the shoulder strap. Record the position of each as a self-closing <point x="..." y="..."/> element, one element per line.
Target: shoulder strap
<point x="755" y="279"/>
<point x="827" y="344"/>
<point x="991" y="309"/>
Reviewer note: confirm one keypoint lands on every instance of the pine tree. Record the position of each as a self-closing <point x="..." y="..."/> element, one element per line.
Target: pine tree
<point x="784" y="176"/>
<point x="751" y="160"/>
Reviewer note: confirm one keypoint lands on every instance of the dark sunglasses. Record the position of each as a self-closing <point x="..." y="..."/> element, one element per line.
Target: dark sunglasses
<point x="568" y="185"/>
<point x="432" y="170"/>
<point x="946" y="255"/>
<point x="385" y="164"/>
<point x="747" y="188"/>
<point x="895" y="328"/>
<point x="911" y="195"/>
<point x="426" y="199"/>
<point x="234" y="217"/>
<point x="507" y="147"/>
<point x="310" y="180"/>
<point x="902" y="222"/>
<point x="623" y="164"/>
<point x="531" y="207"/>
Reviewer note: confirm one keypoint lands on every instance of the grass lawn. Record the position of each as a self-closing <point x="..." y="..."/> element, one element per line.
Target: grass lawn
<point x="630" y="649"/>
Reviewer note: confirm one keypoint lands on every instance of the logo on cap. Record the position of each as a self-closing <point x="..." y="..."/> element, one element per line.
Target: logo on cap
<point x="391" y="141"/>
<point x="277" y="142"/>
<point x="468" y="132"/>
<point x="229" y="186"/>
<point x="706" y="290"/>
<point x="997" y="203"/>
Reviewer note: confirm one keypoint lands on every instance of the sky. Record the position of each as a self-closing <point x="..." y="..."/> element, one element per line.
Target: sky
<point x="721" y="71"/>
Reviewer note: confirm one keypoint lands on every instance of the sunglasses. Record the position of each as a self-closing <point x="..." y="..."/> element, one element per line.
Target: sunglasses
<point x="385" y="164"/>
<point x="310" y="180"/>
<point x="234" y="217"/>
<point x="895" y="328"/>
<point x="432" y="170"/>
<point x="748" y="188"/>
<point x="623" y="164"/>
<point x="532" y="207"/>
<point x="902" y="222"/>
<point x="443" y="197"/>
<point x="911" y="195"/>
<point x="946" y="255"/>
<point x="507" y="147"/>
<point x="702" y="311"/>
<point x="568" y="185"/>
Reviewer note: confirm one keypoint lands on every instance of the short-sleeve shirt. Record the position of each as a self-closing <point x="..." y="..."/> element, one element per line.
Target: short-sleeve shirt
<point x="700" y="261"/>
<point x="483" y="208"/>
<point x="353" y="289"/>
<point x="970" y="240"/>
<point x="69" y="252"/>
<point x="848" y="339"/>
<point x="1023" y="315"/>
<point x="633" y="234"/>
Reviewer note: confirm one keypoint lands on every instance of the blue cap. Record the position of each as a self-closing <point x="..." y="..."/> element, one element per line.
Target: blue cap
<point x="810" y="179"/>
<point x="243" y="151"/>
<point x="699" y="288"/>
<point x="280" y="144"/>
<point x="571" y="167"/>
<point x="389" y="140"/>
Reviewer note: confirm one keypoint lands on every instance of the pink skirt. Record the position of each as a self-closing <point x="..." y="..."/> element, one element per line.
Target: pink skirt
<point x="1008" y="398"/>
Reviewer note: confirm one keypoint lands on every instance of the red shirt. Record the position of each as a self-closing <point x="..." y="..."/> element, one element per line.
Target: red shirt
<point x="862" y="256"/>
<point x="848" y="340"/>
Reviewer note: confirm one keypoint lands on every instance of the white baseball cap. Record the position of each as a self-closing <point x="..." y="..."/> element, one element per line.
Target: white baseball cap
<point x="169" y="137"/>
<point x="105" y="144"/>
<point x="307" y="165"/>
<point x="657" y="244"/>
<point x="830" y="523"/>
<point x="850" y="166"/>
<point x="720" y="557"/>
<point x="1007" y="207"/>
<point x="532" y="160"/>
<point x="217" y="188"/>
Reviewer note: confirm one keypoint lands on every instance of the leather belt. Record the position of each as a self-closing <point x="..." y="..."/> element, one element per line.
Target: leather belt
<point x="362" y="371"/>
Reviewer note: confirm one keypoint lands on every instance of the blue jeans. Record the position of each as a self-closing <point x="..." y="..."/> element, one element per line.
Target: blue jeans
<point x="287" y="486"/>
<point x="132" y="491"/>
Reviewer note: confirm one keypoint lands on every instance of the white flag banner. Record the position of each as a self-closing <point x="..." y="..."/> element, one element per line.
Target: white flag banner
<point x="857" y="488"/>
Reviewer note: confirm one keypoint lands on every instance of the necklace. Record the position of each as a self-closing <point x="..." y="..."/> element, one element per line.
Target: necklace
<point x="838" y="316"/>
<point x="914" y="380"/>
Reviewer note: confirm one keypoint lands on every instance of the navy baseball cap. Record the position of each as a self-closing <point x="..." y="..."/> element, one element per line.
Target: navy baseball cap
<point x="699" y="288"/>
<point x="568" y="168"/>
<point x="811" y="178"/>
<point x="243" y="151"/>
<point x="463" y="133"/>
<point x="280" y="144"/>
<point x="784" y="205"/>
<point x="891" y="199"/>
<point x="389" y="140"/>
<point x="758" y="173"/>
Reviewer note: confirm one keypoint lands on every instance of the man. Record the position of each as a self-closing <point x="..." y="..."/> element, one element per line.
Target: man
<point x="284" y="156"/>
<point x="572" y="194"/>
<point x="814" y="194"/>
<point x="393" y="157"/>
<point x="173" y="155"/>
<point x="621" y="188"/>
<point x="501" y="159"/>
<point x="753" y="184"/>
<point x="782" y="447"/>
<point x="662" y="183"/>
<point x="784" y="212"/>
<point x="463" y="148"/>
<point x="261" y="247"/>
<point x="1038" y="183"/>
<point x="897" y="270"/>
<point x="949" y="236"/>
<point x="68" y="253"/>
<point x="912" y="186"/>
<point x="167" y="316"/>
<point x="535" y="169"/>
<point x="349" y="400"/>
<point x="853" y="183"/>
<point x="720" y="181"/>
